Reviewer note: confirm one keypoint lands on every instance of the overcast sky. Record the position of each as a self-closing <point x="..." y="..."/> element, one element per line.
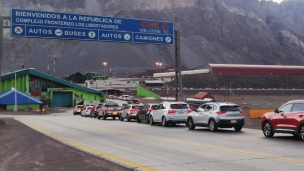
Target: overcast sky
<point x="277" y="1"/>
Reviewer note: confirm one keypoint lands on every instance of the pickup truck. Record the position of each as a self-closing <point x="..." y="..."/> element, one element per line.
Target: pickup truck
<point x="109" y="109"/>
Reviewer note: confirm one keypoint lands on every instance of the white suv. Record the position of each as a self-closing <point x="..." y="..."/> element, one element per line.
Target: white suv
<point x="170" y="113"/>
<point x="217" y="115"/>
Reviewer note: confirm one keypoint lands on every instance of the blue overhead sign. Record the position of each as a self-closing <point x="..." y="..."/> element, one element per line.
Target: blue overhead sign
<point x="27" y="23"/>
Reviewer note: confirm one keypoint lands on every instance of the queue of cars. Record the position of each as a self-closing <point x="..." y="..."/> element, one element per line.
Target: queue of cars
<point x="289" y="118"/>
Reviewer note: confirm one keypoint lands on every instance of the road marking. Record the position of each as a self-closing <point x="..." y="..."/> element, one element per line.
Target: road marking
<point x="195" y="144"/>
<point x="87" y="148"/>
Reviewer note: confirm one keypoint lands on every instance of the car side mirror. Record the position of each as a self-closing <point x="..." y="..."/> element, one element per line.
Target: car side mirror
<point x="276" y="111"/>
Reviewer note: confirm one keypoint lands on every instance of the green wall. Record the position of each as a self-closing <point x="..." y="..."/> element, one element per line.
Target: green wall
<point x="146" y="93"/>
<point x="22" y="84"/>
<point x="23" y="107"/>
<point x="85" y="95"/>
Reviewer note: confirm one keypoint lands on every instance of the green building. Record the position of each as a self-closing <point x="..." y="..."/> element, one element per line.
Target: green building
<point x="59" y="92"/>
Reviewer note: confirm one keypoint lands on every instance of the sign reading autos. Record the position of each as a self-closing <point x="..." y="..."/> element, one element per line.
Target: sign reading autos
<point x="26" y="23"/>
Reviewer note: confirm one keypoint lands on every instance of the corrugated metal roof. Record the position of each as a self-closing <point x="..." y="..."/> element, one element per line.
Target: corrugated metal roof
<point x="241" y="69"/>
<point x="48" y="77"/>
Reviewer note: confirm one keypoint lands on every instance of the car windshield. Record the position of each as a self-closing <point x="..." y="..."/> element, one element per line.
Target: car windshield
<point x="154" y="106"/>
<point x="179" y="106"/>
<point x="111" y="105"/>
<point x="230" y="108"/>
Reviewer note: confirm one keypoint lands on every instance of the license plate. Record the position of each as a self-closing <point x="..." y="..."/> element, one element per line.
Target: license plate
<point x="115" y="113"/>
<point x="233" y="121"/>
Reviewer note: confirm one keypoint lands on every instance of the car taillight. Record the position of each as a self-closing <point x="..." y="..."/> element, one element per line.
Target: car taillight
<point x="171" y="111"/>
<point x="221" y="112"/>
<point x="76" y="108"/>
<point x="96" y="110"/>
<point x="150" y="110"/>
<point x="230" y="105"/>
<point x="241" y="111"/>
<point x="189" y="111"/>
<point x="87" y="111"/>
<point x="106" y="109"/>
<point x="179" y="104"/>
<point x="132" y="111"/>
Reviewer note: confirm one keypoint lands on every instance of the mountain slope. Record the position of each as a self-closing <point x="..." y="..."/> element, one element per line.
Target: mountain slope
<point x="213" y="31"/>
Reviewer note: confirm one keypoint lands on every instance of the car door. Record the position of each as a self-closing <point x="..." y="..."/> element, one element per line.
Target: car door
<point x="198" y="115"/>
<point x="207" y="114"/>
<point x="278" y="120"/>
<point x="294" y="118"/>
<point x="157" y="113"/>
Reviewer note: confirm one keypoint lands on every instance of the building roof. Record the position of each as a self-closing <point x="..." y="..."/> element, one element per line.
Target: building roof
<point x="240" y="69"/>
<point x="8" y="98"/>
<point x="48" y="77"/>
<point x="203" y="95"/>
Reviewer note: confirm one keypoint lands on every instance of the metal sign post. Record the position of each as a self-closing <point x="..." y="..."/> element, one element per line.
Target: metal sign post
<point x="2" y="25"/>
<point x="178" y="75"/>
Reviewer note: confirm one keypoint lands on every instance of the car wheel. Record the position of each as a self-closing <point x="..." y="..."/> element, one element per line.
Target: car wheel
<point x="138" y="120"/>
<point x="121" y="118"/>
<point x="301" y="133"/>
<point x="74" y="113"/>
<point x="173" y="124"/>
<point x="147" y="119"/>
<point x="128" y="118"/>
<point x="114" y="118"/>
<point x="212" y="126"/>
<point x="151" y="121"/>
<point x="267" y="130"/>
<point x="164" y="122"/>
<point x="81" y="115"/>
<point x="99" y="117"/>
<point x="238" y="128"/>
<point x="190" y="124"/>
<point x="91" y="116"/>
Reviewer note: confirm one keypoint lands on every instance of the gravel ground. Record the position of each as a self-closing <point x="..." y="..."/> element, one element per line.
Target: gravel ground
<point x="24" y="149"/>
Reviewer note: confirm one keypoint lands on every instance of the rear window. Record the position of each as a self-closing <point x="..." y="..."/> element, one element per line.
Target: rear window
<point x="228" y="108"/>
<point x="111" y="105"/>
<point x="80" y="106"/>
<point x="177" y="106"/>
<point x="136" y="107"/>
<point x="88" y="108"/>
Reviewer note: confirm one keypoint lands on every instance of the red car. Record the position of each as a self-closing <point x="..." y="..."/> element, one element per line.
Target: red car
<point x="289" y="118"/>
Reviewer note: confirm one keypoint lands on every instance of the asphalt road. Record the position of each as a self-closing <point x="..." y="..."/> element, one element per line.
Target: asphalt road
<point x="172" y="148"/>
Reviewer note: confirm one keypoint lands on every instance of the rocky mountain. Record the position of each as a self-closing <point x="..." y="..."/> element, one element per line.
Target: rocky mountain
<point x="213" y="31"/>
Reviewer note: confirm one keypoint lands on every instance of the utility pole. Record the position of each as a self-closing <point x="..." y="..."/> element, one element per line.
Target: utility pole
<point x="178" y="77"/>
<point x="4" y="23"/>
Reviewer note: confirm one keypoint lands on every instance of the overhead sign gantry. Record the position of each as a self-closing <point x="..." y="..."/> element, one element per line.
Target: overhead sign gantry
<point x="28" y="23"/>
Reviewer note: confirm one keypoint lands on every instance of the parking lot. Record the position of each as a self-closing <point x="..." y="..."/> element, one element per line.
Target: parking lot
<point x="145" y="147"/>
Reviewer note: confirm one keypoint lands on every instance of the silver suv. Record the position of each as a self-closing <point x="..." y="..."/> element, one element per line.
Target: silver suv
<point x="170" y="113"/>
<point x="217" y="115"/>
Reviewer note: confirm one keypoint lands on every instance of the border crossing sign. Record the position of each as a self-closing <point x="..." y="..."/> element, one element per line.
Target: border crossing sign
<point x="28" y="23"/>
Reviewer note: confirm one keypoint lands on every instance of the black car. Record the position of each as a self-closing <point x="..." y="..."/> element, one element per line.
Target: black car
<point x="143" y="114"/>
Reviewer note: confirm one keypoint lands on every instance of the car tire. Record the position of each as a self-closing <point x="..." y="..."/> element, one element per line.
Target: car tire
<point x="74" y="113"/>
<point x="81" y="115"/>
<point x="147" y="119"/>
<point x="267" y="129"/>
<point x="190" y="124"/>
<point x="128" y="118"/>
<point x="114" y="118"/>
<point x="121" y="118"/>
<point x="164" y="122"/>
<point x="138" y="120"/>
<point x="212" y="125"/>
<point x="301" y="132"/>
<point x="151" y="120"/>
<point x="91" y="116"/>
<point x="98" y="117"/>
<point x="238" y="128"/>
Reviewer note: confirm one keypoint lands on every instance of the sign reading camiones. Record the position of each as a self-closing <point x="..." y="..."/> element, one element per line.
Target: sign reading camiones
<point x="27" y="23"/>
